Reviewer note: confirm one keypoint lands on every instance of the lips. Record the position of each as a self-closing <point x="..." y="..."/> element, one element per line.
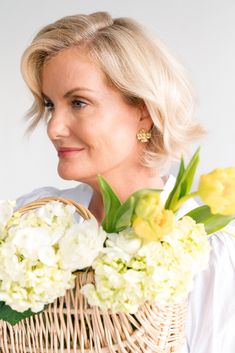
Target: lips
<point x="68" y="151"/>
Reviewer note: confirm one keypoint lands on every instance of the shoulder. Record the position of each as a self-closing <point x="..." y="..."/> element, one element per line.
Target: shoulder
<point x="211" y="311"/>
<point x="222" y="248"/>
<point x="81" y="194"/>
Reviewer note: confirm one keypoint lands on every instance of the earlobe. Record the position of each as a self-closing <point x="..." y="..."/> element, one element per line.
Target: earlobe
<point x="146" y="124"/>
<point x="143" y="136"/>
<point x="145" y="119"/>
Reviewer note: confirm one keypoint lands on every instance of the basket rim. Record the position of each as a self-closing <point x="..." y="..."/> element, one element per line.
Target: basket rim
<point x="80" y="209"/>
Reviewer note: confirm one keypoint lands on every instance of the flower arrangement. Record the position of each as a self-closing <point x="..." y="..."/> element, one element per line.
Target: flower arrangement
<point x="141" y="252"/>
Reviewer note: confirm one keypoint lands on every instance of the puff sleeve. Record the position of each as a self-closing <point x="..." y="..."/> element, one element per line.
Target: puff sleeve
<point x="210" y="324"/>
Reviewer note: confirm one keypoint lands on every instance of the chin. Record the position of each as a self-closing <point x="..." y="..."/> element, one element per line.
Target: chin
<point x="71" y="174"/>
<point x="66" y="173"/>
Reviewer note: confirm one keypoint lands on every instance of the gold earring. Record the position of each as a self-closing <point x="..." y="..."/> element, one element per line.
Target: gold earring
<point x="143" y="135"/>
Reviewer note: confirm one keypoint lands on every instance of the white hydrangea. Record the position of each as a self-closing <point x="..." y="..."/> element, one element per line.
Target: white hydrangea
<point x="6" y="212"/>
<point x="40" y="251"/>
<point x="130" y="271"/>
<point x="81" y="244"/>
<point x="122" y="245"/>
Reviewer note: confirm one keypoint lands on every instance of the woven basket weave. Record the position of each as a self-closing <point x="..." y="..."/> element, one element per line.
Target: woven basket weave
<point x="71" y="325"/>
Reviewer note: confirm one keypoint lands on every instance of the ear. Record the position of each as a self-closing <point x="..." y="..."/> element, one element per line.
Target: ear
<point x="146" y="121"/>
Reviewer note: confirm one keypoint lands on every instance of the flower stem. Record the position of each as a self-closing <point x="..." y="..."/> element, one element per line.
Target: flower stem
<point x="183" y="199"/>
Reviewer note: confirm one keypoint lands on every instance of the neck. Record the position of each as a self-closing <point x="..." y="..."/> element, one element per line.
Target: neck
<point x="123" y="186"/>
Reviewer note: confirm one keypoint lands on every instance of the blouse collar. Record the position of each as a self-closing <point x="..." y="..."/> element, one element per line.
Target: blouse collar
<point x="168" y="186"/>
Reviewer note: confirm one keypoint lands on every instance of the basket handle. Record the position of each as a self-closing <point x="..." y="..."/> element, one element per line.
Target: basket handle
<point x="81" y="210"/>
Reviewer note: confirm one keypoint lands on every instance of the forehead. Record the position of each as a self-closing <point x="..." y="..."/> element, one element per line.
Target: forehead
<point x="72" y="67"/>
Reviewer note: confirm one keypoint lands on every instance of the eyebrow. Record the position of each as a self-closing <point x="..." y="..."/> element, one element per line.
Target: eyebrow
<point x="70" y="92"/>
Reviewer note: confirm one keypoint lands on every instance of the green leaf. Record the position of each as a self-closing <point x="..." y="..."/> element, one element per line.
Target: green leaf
<point x="12" y="316"/>
<point x="176" y="190"/>
<point x="212" y="222"/>
<point x="111" y="204"/>
<point x="117" y="215"/>
<point x="183" y="182"/>
<point x="188" y="177"/>
<point x="123" y="217"/>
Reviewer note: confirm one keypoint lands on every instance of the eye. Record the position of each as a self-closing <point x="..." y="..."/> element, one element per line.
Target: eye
<point x="48" y="105"/>
<point x="78" y="104"/>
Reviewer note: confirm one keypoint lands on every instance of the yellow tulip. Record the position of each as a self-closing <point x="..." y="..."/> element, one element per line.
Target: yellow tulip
<point x="217" y="190"/>
<point x="149" y="204"/>
<point x="151" y="221"/>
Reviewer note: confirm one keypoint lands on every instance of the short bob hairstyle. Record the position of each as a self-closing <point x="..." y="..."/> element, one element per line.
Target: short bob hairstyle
<point x="136" y="63"/>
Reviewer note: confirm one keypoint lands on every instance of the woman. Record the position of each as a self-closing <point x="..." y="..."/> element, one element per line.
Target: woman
<point x="118" y="104"/>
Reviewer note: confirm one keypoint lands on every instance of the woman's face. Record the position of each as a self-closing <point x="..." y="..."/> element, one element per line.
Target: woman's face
<point x="91" y="126"/>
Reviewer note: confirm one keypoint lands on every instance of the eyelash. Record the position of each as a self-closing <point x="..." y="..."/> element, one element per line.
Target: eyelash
<point x="50" y="107"/>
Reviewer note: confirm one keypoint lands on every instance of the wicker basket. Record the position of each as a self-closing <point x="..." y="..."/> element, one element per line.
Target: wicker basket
<point x="70" y="324"/>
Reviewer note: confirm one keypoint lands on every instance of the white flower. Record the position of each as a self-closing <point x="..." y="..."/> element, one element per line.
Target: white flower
<point x="130" y="272"/>
<point x="47" y="255"/>
<point x="54" y="208"/>
<point x="40" y="250"/>
<point x="10" y="266"/>
<point x="30" y="240"/>
<point x="6" y="212"/>
<point x="33" y="249"/>
<point x="81" y="244"/>
<point x="42" y="286"/>
<point x="122" y="245"/>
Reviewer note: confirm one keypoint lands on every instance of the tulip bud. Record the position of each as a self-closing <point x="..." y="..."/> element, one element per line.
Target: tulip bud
<point x="217" y="190"/>
<point x="150" y="220"/>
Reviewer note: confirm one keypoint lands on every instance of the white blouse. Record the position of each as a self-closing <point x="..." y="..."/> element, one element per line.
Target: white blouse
<point x="210" y="324"/>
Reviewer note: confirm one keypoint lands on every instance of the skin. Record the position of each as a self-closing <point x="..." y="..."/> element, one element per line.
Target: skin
<point x="96" y="119"/>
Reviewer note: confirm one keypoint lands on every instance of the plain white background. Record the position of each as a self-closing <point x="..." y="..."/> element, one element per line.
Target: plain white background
<point x="200" y="33"/>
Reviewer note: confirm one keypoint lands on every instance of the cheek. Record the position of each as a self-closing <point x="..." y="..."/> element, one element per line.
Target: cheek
<point x="122" y="134"/>
<point x="110" y="144"/>
<point x="104" y="130"/>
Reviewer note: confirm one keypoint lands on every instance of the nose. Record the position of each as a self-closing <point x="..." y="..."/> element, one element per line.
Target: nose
<point x="58" y="126"/>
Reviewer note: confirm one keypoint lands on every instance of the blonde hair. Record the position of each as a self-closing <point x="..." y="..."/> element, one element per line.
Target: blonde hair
<point x="133" y="61"/>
